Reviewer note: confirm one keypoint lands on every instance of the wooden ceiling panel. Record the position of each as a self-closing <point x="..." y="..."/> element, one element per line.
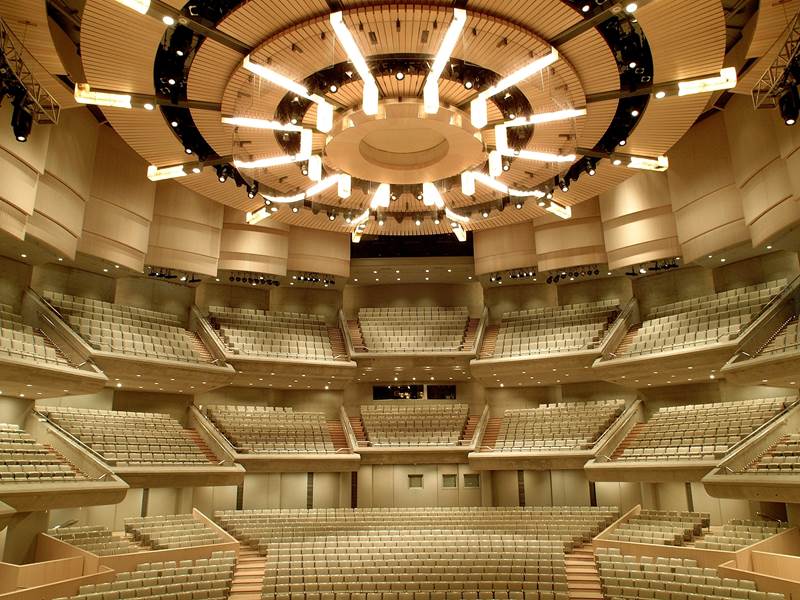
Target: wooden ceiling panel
<point x="664" y="123"/>
<point x="212" y="68"/>
<point x="593" y="61"/>
<point x="257" y="20"/>
<point x="771" y="21"/>
<point x="545" y="17"/>
<point x="148" y="134"/>
<point x="687" y="37"/>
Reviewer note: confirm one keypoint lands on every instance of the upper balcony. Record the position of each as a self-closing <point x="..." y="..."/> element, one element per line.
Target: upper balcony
<point x="689" y="340"/>
<point x="549" y="345"/>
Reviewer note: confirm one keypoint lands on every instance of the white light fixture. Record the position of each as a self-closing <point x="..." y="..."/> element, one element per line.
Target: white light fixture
<point x="631" y="7"/>
<point x="140" y="6"/>
<point x="501" y="187"/>
<point x="431" y="89"/>
<point x="542" y="156"/>
<point x="467" y="183"/>
<point x="168" y="20"/>
<point x="432" y="197"/>
<point x="724" y="81"/>
<point x="501" y="139"/>
<point x="356" y="238"/>
<point x="381" y="197"/>
<point x="324" y="117"/>
<point x="345" y="185"/>
<point x="495" y="163"/>
<point x="322" y="185"/>
<point x="453" y="216"/>
<point x="459" y="232"/>
<point x="549" y="117"/>
<point x="315" y="168"/>
<point x="370" y="96"/>
<point x="285" y="199"/>
<point x="565" y="212"/>
<point x="155" y="173"/>
<point x="478" y="107"/>
<point x="306" y="144"/>
<point x="253" y="123"/>
<point x="256" y="217"/>
<point x="85" y="95"/>
<point x="265" y="163"/>
<point x="644" y="163"/>
<point x="361" y="219"/>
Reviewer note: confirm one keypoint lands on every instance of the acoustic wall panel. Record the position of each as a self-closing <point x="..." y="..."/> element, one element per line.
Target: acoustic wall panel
<point x="570" y="242"/>
<point x="502" y="248"/>
<point x="261" y="248"/>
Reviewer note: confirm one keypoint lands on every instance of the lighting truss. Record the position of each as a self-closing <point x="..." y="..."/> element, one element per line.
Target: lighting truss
<point x="370" y="96"/>
<point x="431" y="89"/>
<point x="765" y="93"/>
<point x="478" y="106"/>
<point x="324" y="109"/>
<point x="46" y="109"/>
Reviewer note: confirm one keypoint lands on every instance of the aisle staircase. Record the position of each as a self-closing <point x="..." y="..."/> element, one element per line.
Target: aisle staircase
<point x="470" y="333"/>
<point x="248" y="575"/>
<point x="356" y="337"/>
<point x="469" y="429"/>
<point x="628" y="340"/>
<point x="491" y="432"/>
<point x="197" y="439"/>
<point x="337" y="343"/>
<point x="200" y="348"/>
<point x="358" y="430"/>
<point x="583" y="580"/>
<point x="337" y="435"/>
<point x="489" y="341"/>
<point x="633" y="434"/>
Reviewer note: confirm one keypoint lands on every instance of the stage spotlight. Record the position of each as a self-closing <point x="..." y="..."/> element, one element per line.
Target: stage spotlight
<point x="564" y="186"/>
<point x="591" y="167"/>
<point x="485" y="213"/>
<point x="789" y="105"/>
<point x="21" y="119"/>
<point x="400" y="75"/>
<point x="550" y="279"/>
<point x="252" y="190"/>
<point x="468" y="84"/>
<point x="295" y="209"/>
<point x="333" y="88"/>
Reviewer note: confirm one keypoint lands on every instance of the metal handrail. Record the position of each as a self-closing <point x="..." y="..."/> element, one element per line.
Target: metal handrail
<point x="72" y="437"/>
<point x="54" y="326"/>
<point x="763" y="427"/>
<point x="790" y="287"/>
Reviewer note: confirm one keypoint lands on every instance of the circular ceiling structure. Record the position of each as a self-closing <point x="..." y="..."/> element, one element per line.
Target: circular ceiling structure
<point x="321" y="109"/>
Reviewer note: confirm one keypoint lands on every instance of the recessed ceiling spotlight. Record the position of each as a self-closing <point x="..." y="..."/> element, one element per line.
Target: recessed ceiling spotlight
<point x="380" y="222"/>
<point x="485" y="213"/>
<point x="623" y="142"/>
<point x="417" y="222"/>
<point x="174" y="123"/>
<point x="148" y="106"/>
<point x="171" y="81"/>
<point x="631" y="7"/>
<point x="585" y="8"/>
<point x="632" y="64"/>
<point x="196" y="170"/>
<point x="333" y="88"/>
<point x="469" y="84"/>
<point x="295" y="209"/>
<point x="400" y="76"/>
<point x="168" y="21"/>
<point x="634" y="113"/>
<point x="616" y="162"/>
<point x="660" y="94"/>
<point x="187" y="150"/>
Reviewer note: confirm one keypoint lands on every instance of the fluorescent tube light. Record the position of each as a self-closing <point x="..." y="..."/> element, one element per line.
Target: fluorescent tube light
<point x="431" y="89"/>
<point x="155" y="173"/>
<point x="85" y="95"/>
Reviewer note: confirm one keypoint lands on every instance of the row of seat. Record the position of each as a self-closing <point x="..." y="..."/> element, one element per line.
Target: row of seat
<point x="265" y="430"/>
<point x="171" y="531"/>
<point x="21" y="341"/>
<point x="738" y="533"/>
<point x="413" y="329"/>
<point x="783" y="457"/>
<point x="711" y="300"/>
<point x="660" y="527"/>
<point x="126" y="438"/>
<point x="697" y="431"/>
<point x="556" y="426"/>
<point x="24" y="460"/>
<point x="96" y="539"/>
<point x="201" y="579"/>
<point x="669" y="579"/>
<point x="440" y="424"/>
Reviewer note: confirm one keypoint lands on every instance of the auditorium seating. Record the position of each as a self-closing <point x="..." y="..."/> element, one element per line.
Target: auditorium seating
<point x="126" y="438"/>
<point x="557" y="426"/>
<point x="412" y="424"/>
<point x="95" y="539"/>
<point x="128" y="329"/>
<point x="697" y="431"/>
<point x="201" y="579"/>
<point x="670" y="528"/>
<point x="18" y="340"/>
<point x="172" y="531"/>
<point x="253" y="332"/>
<point x="414" y="329"/>
<point x="739" y="533"/>
<point x="271" y="429"/>
<point x="554" y="329"/>
<point x="432" y="553"/>
<point x="664" y="578"/>
<point x="698" y="321"/>
<point x="781" y="458"/>
<point x="24" y="460"/>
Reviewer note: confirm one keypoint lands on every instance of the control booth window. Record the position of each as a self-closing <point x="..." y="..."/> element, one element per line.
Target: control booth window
<point x="441" y="392"/>
<point x="398" y="392"/>
<point x="472" y="480"/>
<point x="449" y="480"/>
<point x="415" y="481"/>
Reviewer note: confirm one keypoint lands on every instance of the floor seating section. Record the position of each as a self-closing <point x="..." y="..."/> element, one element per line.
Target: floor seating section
<point x="781" y="458"/>
<point x="272" y="429"/>
<point x="739" y="533"/>
<point x="128" y="329"/>
<point x="253" y="332"/>
<point x="698" y="321"/>
<point x="416" y="553"/>
<point x="201" y="579"/>
<point x="697" y="431"/>
<point x="557" y="426"/>
<point x="126" y="438"/>
<point x="662" y="578"/>
<point x="24" y="460"/>
<point x="554" y="329"/>
<point x="786" y="339"/>
<point x="671" y="528"/>
<point x="172" y="531"/>
<point x="416" y="329"/>
<point x="96" y="539"/>
<point x="18" y="340"/>
<point x="440" y="424"/>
